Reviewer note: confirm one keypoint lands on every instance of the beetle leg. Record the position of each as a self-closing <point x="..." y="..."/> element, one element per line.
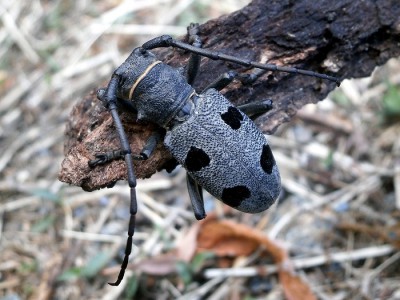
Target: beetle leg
<point x="226" y="78"/>
<point x="193" y="65"/>
<point x="196" y="197"/>
<point x="222" y="81"/>
<point x="103" y="158"/>
<point x="148" y="149"/>
<point x="255" y="109"/>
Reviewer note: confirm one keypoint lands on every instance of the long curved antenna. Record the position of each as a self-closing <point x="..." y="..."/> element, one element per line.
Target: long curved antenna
<point x="167" y="41"/>
<point x="111" y="105"/>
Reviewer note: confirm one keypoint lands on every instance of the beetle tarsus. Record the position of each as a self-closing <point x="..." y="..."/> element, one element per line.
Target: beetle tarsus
<point x="103" y="158"/>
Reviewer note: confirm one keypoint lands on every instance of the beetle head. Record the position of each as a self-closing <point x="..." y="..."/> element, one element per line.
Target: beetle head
<point x="157" y="90"/>
<point x="132" y="70"/>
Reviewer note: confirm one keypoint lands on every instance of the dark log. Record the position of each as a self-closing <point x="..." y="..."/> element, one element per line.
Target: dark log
<point x="344" y="38"/>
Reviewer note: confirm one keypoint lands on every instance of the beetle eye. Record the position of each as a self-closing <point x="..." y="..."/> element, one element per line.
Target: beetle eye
<point x="101" y="94"/>
<point x="122" y="81"/>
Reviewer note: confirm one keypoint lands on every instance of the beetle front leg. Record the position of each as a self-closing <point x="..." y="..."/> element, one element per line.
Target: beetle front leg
<point x="145" y="153"/>
<point x="106" y="157"/>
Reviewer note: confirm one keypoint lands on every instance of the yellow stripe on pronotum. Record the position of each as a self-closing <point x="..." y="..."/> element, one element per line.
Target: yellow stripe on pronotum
<point x="148" y="69"/>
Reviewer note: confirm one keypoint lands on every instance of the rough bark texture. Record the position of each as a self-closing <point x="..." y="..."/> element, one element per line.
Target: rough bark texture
<point x="344" y="38"/>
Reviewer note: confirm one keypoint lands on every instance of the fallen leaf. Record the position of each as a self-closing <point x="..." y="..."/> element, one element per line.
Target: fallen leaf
<point x="233" y="239"/>
<point x="227" y="238"/>
<point x="294" y="287"/>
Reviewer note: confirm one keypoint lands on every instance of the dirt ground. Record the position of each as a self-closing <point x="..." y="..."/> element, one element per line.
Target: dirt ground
<point x="334" y="233"/>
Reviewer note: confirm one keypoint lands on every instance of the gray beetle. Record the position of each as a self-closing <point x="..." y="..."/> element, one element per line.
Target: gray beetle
<point x="218" y="144"/>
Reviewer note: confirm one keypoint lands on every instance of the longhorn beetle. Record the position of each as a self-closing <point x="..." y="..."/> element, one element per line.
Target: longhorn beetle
<point x="218" y="144"/>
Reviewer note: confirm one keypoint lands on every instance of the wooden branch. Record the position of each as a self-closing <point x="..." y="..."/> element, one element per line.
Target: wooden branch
<point x="344" y="38"/>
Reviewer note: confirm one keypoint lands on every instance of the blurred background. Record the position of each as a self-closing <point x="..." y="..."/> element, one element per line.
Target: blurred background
<point x="337" y="219"/>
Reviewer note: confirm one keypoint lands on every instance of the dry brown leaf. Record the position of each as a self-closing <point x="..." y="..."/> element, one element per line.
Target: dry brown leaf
<point x="226" y="238"/>
<point x="294" y="287"/>
<point x="233" y="239"/>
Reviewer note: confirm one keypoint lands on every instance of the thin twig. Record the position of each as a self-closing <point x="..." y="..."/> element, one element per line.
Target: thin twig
<point x="303" y="263"/>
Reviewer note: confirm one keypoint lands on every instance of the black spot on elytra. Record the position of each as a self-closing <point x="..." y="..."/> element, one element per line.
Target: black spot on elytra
<point x="235" y="195"/>
<point x="267" y="160"/>
<point x="232" y="117"/>
<point x="196" y="159"/>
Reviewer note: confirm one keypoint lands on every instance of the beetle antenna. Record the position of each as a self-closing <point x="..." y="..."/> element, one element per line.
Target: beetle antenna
<point x="166" y="41"/>
<point x="110" y="103"/>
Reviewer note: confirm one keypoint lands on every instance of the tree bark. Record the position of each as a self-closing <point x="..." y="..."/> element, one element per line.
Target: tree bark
<point x="344" y="38"/>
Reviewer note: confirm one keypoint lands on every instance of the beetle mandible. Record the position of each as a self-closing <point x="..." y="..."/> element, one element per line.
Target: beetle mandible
<point x="218" y="144"/>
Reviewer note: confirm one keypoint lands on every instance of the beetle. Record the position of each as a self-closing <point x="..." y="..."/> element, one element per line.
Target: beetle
<point x="217" y="143"/>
